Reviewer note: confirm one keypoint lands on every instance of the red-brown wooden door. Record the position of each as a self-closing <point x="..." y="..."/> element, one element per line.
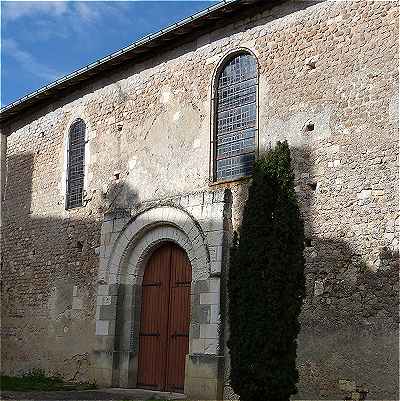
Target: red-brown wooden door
<point x="164" y="320"/>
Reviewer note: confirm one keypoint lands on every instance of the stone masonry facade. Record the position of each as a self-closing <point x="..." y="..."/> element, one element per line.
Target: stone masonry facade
<point x="328" y="83"/>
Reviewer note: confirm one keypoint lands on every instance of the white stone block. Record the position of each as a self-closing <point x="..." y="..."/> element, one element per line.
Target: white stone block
<point x="364" y="194"/>
<point x="131" y="230"/>
<point x="213" y="59"/>
<point x="214" y="285"/>
<point x="196" y="211"/>
<point x="197" y="346"/>
<point x="215" y="253"/>
<point x="214" y="314"/>
<point x="102" y="289"/>
<point x="215" y="267"/>
<point x="105" y="300"/>
<point x="188" y="225"/>
<point x="106" y="227"/>
<point x="215" y="238"/>
<point x="209" y="331"/>
<point x="197" y="242"/>
<point x="210" y="346"/>
<point x="217" y="211"/>
<point x="209" y="298"/>
<point x="102" y="327"/>
<point x="196" y="199"/>
<point x="184" y="200"/>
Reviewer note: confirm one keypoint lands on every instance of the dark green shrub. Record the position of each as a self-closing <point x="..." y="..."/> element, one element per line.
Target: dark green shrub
<point x="266" y="284"/>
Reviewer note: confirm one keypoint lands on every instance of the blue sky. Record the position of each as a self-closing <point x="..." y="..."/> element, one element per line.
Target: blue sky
<point x="44" y="40"/>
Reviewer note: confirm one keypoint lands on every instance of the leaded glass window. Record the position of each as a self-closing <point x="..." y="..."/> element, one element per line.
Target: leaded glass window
<point x="236" y="118"/>
<point x="76" y="164"/>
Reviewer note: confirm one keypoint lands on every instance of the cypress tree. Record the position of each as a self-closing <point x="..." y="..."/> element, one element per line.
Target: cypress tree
<point x="266" y="284"/>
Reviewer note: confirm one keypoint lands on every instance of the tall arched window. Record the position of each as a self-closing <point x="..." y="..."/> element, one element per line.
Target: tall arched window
<point x="76" y="164"/>
<point x="236" y="118"/>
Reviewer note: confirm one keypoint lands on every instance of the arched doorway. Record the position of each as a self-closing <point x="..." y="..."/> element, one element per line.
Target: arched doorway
<point x="164" y="319"/>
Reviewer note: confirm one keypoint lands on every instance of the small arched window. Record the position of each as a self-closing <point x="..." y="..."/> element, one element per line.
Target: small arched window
<point x="76" y="164"/>
<point x="236" y="118"/>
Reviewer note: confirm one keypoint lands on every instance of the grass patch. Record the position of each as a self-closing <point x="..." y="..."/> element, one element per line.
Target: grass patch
<point x="37" y="380"/>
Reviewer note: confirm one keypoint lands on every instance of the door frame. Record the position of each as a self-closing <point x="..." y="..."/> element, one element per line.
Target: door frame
<point x="123" y="258"/>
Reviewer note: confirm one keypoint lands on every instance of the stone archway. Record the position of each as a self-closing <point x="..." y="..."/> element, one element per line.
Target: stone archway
<point x="127" y="244"/>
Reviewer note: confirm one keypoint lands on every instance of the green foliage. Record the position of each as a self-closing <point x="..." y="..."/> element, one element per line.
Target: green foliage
<point x="266" y="284"/>
<point x="37" y="380"/>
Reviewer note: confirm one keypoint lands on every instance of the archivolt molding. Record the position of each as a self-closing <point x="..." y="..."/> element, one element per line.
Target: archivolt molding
<point x="145" y="232"/>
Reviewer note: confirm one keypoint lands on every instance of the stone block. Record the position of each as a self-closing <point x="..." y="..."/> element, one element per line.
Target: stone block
<point x="213" y="253"/>
<point x="102" y="327"/>
<point x="215" y="268"/>
<point x="215" y="238"/>
<point x="107" y="312"/>
<point x="103" y="377"/>
<point x="209" y="298"/>
<point x="210" y="346"/>
<point x="194" y="330"/>
<point x="214" y="314"/>
<point x="209" y="331"/>
<point x="196" y="199"/>
<point x="201" y="313"/>
<point x="104" y="343"/>
<point x="103" y="289"/>
<point x="204" y="377"/>
<point x="119" y="224"/>
<point x="104" y="359"/>
<point x="364" y="194"/>
<point x="202" y="367"/>
<point x="214" y="285"/>
<point x="106" y="227"/>
<point x="197" y="346"/>
<point x="104" y="300"/>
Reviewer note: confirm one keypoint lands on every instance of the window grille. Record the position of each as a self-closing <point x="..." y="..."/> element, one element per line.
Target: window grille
<point x="236" y="118"/>
<point x="76" y="164"/>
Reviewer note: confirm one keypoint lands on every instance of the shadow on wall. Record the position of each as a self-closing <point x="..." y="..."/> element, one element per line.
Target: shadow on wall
<point x="49" y="273"/>
<point x="51" y="270"/>
<point x="349" y="319"/>
<point x="350" y="315"/>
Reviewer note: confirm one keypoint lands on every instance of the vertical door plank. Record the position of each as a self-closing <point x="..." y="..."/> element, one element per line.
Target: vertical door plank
<point x="154" y="320"/>
<point x="179" y="319"/>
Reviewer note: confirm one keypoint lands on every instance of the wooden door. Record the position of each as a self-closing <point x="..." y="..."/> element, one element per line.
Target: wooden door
<point x="165" y="315"/>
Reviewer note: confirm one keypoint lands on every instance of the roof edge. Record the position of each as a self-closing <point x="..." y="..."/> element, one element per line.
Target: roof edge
<point x="9" y="112"/>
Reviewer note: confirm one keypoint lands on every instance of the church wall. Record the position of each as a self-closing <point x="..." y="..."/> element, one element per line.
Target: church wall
<point x="328" y="83"/>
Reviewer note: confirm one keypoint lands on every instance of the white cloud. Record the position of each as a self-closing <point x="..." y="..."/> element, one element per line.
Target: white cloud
<point x="28" y="62"/>
<point x="86" y="12"/>
<point x="12" y="10"/>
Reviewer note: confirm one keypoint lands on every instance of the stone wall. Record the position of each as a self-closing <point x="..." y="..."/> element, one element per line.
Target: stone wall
<point x="328" y="84"/>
